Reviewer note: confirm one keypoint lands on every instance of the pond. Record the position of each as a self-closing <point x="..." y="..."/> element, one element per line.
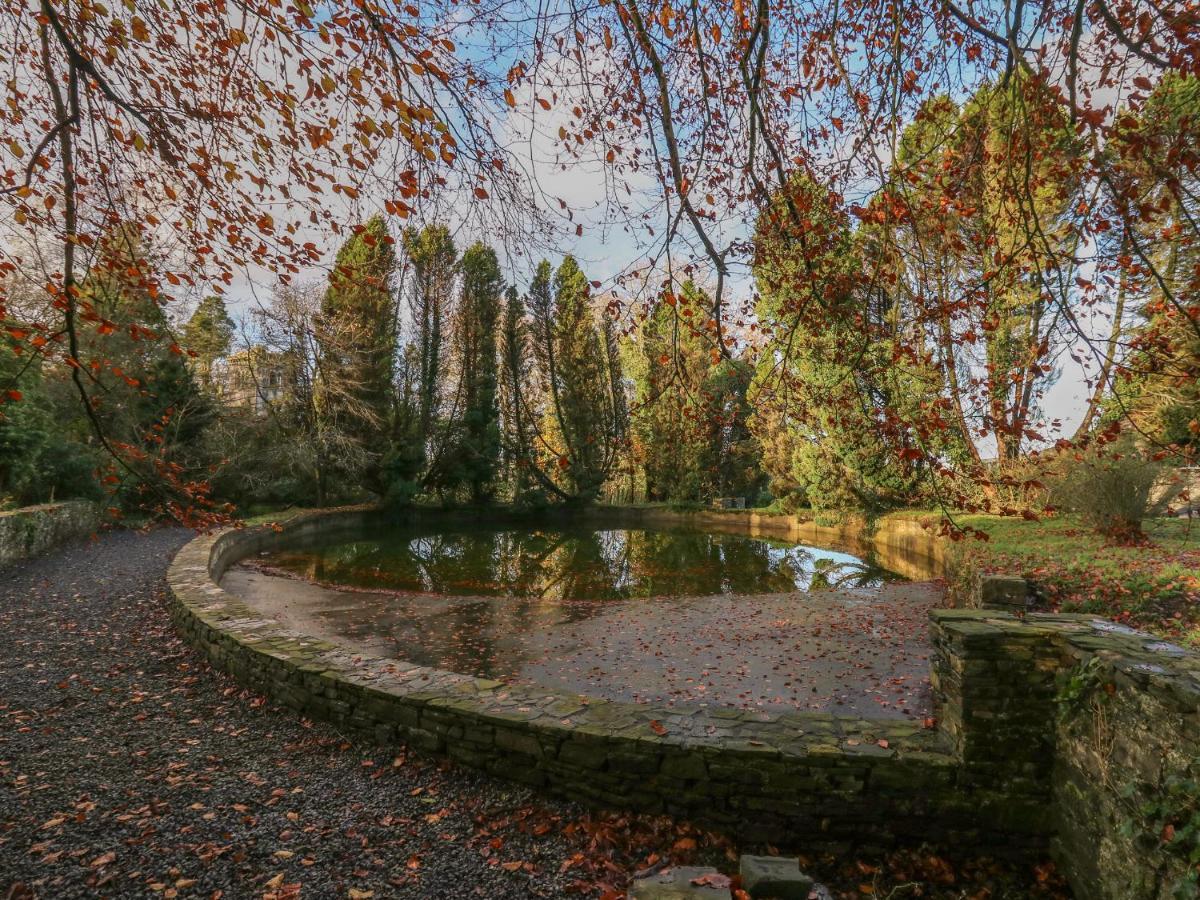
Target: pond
<point x="576" y="563"/>
<point x="643" y="615"/>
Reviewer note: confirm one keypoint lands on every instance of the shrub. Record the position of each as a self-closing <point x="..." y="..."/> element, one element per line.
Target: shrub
<point x="1109" y="487"/>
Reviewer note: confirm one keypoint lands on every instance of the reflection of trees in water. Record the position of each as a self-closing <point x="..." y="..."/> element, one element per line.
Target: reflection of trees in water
<point x="676" y="562"/>
<point x="811" y="571"/>
<point x="581" y="564"/>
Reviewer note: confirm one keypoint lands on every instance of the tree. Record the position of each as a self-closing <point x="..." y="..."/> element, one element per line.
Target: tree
<point x="306" y="421"/>
<point x="668" y="367"/>
<point x="734" y="103"/>
<point x="477" y="451"/>
<point x="516" y="413"/>
<point x="208" y="336"/>
<point x="422" y="429"/>
<point x="356" y="331"/>
<point x="42" y="456"/>
<point x="1159" y="165"/>
<point x="735" y="468"/>
<point x="241" y="146"/>
<point x="584" y="414"/>
<point x="817" y="378"/>
<point x="233" y="146"/>
<point x="153" y="410"/>
<point x="1019" y="245"/>
<point x="689" y="425"/>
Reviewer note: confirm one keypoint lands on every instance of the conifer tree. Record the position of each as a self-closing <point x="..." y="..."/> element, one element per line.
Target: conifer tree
<point x="356" y="331"/>
<point x="478" y="447"/>
<point x="208" y="335"/>
<point x="584" y="417"/>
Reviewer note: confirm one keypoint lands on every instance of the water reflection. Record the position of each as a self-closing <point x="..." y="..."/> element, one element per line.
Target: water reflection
<point x="576" y="564"/>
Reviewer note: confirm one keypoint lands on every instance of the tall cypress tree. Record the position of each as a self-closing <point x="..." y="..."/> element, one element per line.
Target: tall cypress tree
<point x="515" y="409"/>
<point x="479" y="311"/>
<point x="581" y="370"/>
<point x="583" y="419"/>
<point x="357" y="335"/>
<point x="434" y="261"/>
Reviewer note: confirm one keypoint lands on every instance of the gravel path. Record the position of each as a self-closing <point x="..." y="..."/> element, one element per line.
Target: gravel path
<point x="129" y="768"/>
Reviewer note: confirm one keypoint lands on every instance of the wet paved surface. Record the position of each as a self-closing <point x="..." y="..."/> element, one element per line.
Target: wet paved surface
<point x="863" y="652"/>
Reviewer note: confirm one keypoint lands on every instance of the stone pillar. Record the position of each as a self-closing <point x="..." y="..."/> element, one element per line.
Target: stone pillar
<point x="994" y="685"/>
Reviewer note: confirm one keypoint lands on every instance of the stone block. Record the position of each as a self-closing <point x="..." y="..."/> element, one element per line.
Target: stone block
<point x="523" y="742"/>
<point x="677" y="884"/>
<point x="1006" y="592"/>
<point x="776" y="877"/>
<point x="585" y="754"/>
<point x="686" y="766"/>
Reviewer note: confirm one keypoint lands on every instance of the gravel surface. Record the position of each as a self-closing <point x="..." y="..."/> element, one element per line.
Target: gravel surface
<point x="129" y="768"/>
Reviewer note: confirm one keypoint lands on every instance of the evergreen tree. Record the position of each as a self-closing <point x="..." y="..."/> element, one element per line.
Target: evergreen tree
<point x="420" y="436"/>
<point x="671" y="426"/>
<point x="735" y="470"/>
<point x="44" y="453"/>
<point x="478" y="448"/>
<point x="515" y="410"/>
<point x="208" y="334"/>
<point x="1159" y="164"/>
<point x="1017" y="248"/>
<point x="434" y="261"/>
<point x="356" y="331"/>
<point x="817" y="378"/>
<point x="584" y="415"/>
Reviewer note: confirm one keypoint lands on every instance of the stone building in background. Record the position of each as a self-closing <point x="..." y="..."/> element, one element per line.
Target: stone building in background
<point x="252" y="380"/>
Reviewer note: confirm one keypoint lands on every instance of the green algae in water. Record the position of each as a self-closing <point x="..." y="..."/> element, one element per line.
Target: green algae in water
<point x="583" y="563"/>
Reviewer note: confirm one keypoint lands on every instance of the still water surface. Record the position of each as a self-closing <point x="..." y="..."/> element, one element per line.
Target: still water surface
<point x="576" y="563"/>
<point x="677" y="617"/>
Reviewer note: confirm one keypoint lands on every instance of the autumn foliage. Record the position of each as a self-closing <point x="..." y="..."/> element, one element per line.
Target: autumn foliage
<point x="941" y="206"/>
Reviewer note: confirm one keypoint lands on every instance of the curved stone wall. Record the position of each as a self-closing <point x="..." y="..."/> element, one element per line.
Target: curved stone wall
<point x="1054" y="732"/>
<point x="787" y="778"/>
<point x="898" y="542"/>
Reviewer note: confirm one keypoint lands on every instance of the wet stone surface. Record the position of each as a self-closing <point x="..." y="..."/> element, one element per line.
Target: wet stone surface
<point x="855" y="642"/>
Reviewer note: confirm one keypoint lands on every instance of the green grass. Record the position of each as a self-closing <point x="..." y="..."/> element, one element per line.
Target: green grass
<point x="1155" y="586"/>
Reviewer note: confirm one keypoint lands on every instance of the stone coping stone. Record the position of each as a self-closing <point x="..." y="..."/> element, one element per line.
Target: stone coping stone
<point x="1167" y="671"/>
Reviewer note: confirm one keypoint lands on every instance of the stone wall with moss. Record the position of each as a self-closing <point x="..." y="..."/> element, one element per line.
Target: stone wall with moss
<point x="1053" y="732"/>
<point x="32" y="530"/>
<point x="1127" y="770"/>
<point x="787" y="778"/>
<point x="1099" y="721"/>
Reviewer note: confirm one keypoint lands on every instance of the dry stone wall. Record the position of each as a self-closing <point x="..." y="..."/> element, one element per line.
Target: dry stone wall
<point x="1100" y="722"/>
<point x="32" y="530"/>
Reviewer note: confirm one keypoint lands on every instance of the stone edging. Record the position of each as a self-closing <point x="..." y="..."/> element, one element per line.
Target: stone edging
<point x="1007" y="771"/>
<point x="781" y="777"/>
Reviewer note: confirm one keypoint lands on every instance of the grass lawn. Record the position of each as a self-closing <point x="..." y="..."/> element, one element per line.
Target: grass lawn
<point x="1155" y="587"/>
